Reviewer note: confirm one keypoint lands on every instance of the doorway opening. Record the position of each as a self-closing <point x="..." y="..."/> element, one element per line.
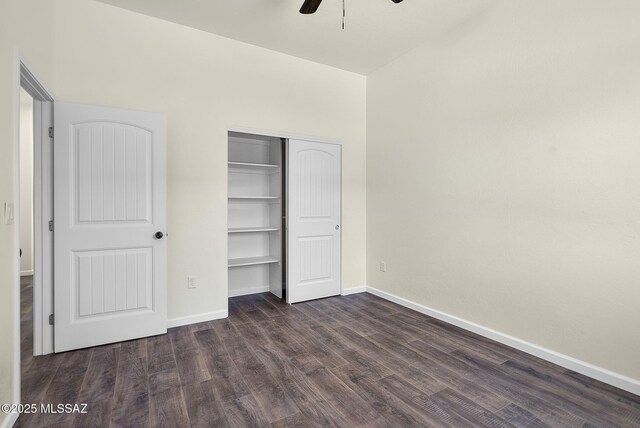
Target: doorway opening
<point x="26" y="222"/>
<point x="33" y="212"/>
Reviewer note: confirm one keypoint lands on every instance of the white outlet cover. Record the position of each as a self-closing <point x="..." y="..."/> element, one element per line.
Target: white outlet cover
<point x="9" y="213"/>
<point x="192" y="281"/>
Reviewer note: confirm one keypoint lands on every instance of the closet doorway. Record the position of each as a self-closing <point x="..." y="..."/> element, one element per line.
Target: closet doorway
<point x="284" y="217"/>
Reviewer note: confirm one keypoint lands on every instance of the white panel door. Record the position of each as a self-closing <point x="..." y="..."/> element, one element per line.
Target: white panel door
<point x="313" y="260"/>
<point x="110" y="221"/>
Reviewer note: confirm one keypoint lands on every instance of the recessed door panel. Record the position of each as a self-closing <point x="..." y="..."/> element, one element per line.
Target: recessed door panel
<point x="113" y="173"/>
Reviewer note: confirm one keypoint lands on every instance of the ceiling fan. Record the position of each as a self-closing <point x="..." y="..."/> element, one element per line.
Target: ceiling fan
<point x="310" y="6"/>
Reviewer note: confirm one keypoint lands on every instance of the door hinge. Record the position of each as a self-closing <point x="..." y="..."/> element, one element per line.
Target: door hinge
<point x="51" y="319"/>
<point x="51" y="132"/>
<point x="51" y="226"/>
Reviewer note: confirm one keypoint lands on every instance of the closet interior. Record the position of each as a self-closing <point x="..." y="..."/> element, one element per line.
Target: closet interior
<point x="256" y="219"/>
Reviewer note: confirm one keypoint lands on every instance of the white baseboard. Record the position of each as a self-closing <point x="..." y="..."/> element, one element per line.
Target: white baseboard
<point x="26" y="272"/>
<point x="9" y="420"/>
<point x="247" y="291"/>
<point x="194" y="319"/>
<point x="354" y="290"/>
<point x="587" y="369"/>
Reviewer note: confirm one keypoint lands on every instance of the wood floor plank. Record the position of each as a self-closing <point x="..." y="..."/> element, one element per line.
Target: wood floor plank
<point x="160" y="355"/>
<point x="394" y="363"/>
<point x="100" y="378"/>
<point x="429" y="333"/>
<point x="435" y="354"/>
<point x="131" y="397"/>
<point x="332" y="308"/>
<point x="518" y="416"/>
<point x="520" y="393"/>
<point x="297" y="420"/>
<point x="342" y="361"/>
<point x="65" y="387"/>
<point x="469" y="410"/>
<point x="205" y="406"/>
<point x="326" y="355"/>
<point x="265" y="305"/>
<point x="317" y="315"/>
<point x="166" y="379"/>
<point x="423" y="404"/>
<point x="244" y="412"/>
<point x="349" y="405"/>
<point x="378" y="323"/>
<point x="236" y="315"/>
<point x="189" y="358"/>
<point x="98" y="415"/>
<point x="441" y="337"/>
<point x="394" y="411"/>
<point x="580" y="403"/>
<point x="462" y="337"/>
<point x="38" y="375"/>
<point x="581" y="381"/>
<point x="446" y="375"/>
<point x="36" y="378"/>
<point x="66" y="384"/>
<point x="282" y="337"/>
<point x="348" y="351"/>
<point x="266" y="390"/>
<point x="312" y="405"/>
<point x="252" y="333"/>
<point x="272" y="398"/>
<point x="168" y="409"/>
<point x="227" y="379"/>
<point x="249" y="304"/>
<point x="430" y="364"/>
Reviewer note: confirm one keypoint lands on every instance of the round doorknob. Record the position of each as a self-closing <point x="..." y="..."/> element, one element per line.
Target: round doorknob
<point x="159" y="235"/>
<point x="337" y="226"/>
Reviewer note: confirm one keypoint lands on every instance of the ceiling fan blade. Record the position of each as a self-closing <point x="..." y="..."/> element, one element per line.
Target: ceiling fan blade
<point x="396" y="1"/>
<point x="310" y="6"/>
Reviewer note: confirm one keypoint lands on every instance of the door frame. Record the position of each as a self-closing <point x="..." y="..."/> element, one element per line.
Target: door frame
<point x="312" y="139"/>
<point x="26" y="78"/>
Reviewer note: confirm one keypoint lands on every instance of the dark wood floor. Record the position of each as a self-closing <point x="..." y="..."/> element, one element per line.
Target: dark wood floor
<point x="343" y="361"/>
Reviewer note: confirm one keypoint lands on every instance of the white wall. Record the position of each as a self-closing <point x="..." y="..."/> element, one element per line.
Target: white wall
<point x="34" y="42"/>
<point x="503" y="167"/>
<point x="205" y="84"/>
<point x="7" y="262"/>
<point x="26" y="183"/>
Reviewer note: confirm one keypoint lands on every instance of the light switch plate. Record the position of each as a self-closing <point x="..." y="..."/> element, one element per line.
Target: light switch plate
<point x="9" y="213"/>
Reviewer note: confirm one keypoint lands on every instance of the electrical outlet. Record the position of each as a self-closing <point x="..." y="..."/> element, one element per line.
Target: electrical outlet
<point x="9" y="213"/>
<point x="192" y="282"/>
<point x="383" y="266"/>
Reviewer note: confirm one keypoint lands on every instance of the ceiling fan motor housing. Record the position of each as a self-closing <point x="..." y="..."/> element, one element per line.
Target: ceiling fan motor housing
<point x="310" y="6"/>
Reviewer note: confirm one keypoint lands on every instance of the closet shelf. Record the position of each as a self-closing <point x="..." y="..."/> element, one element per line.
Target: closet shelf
<point x="251" y="261"/>
<point x="253" y="229"/>
<point x="255" y="197"/>
<point x="253" y="165"/>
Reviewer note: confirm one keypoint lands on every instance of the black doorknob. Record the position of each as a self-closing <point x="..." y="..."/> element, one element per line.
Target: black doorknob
<point x="159" y="235"/>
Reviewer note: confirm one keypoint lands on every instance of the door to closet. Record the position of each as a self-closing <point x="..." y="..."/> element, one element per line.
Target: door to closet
<point x="313" y="219"/>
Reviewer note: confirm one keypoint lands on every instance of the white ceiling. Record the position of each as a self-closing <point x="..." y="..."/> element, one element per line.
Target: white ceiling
<point x="377" y="31"/>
